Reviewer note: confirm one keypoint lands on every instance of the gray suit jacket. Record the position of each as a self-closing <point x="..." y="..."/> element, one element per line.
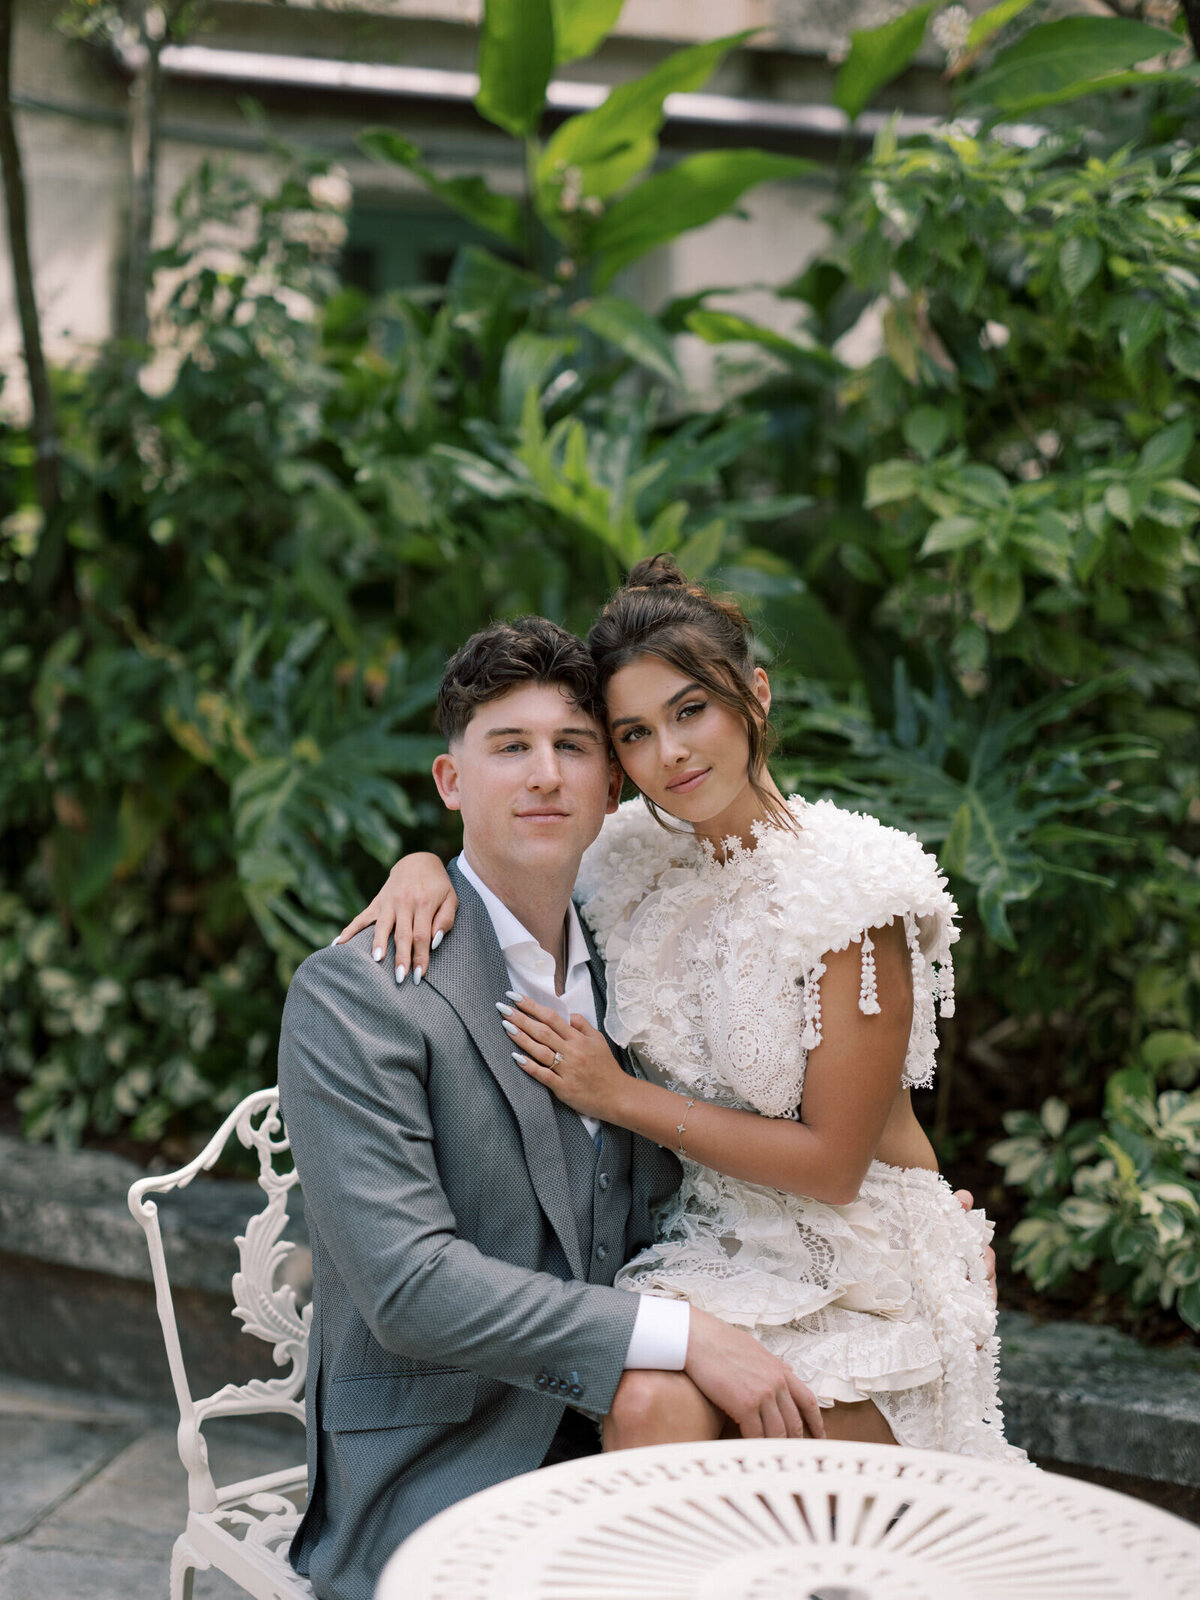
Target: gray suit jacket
<point x="454" y="1312"/>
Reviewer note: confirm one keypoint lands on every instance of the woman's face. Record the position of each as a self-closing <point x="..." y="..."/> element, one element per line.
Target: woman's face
<point x="685" y="751"/>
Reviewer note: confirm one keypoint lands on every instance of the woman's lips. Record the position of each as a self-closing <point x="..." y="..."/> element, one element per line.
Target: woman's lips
<point x="690" y="781"/>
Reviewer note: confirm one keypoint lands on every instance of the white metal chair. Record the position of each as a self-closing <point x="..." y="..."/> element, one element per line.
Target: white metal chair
<point x="242" y="1529"/>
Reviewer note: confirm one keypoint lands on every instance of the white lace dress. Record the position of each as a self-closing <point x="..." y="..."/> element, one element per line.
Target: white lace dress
<point x="713" y="976"/>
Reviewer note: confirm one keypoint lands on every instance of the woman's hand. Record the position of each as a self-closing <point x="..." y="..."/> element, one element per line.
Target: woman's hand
<point x="416" y="907"/>
<point x="572" y="1059"/>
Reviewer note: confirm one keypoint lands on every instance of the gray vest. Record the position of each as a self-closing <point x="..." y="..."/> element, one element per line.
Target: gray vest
<point x="600" y="1187"/>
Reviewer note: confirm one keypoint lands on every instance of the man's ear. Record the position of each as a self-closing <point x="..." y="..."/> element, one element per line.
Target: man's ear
<point x="616" y="779"/>
<point x="445" y="775"/>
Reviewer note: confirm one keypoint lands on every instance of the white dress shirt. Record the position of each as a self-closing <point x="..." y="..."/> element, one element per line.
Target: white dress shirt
<point x="660" y="1333"/>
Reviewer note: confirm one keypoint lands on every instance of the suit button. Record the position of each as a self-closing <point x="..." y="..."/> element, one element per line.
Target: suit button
<point x="601" y="1251"/>
<point x="602" y="1180"/>
<point x="541" y="1380"/>
<point x="576" y="1390"/>
<point x="555" y="1384"/>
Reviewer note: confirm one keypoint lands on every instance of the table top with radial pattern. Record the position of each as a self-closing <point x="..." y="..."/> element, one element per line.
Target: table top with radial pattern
<point x="805" y="1520"/>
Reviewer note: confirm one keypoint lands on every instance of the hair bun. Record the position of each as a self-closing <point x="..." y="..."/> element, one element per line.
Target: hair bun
<point x="657" y="572"/>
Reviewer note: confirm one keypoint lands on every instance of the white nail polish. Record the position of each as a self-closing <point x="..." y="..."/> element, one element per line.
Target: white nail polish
<point x="505" y="1011"/>
<point x="332" y="942"/>
<point x="377" y="954"/>
<point x="513" y="995"/>
<point x="509" y="1027"/>
<point x="401" y="974"/>
<point x="521" y="1060"/>
<point x="437" y="938"/>
<point x="417" y="973"/>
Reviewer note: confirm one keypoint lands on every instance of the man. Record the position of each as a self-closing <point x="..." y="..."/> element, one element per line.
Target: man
<point x="466" y="1227"/>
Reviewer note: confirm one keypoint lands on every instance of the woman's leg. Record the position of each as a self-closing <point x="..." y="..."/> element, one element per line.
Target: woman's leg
<point x="653" y="1407"/>
<point x="859" y="1421"/>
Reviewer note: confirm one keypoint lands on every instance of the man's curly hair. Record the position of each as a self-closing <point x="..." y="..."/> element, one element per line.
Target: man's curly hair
<point x="500" y="657"/>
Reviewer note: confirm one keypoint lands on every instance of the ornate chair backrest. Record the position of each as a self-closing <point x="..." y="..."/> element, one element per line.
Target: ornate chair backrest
<point x="268" y="1310"/>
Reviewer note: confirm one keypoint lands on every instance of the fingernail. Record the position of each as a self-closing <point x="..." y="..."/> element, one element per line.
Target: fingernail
<point x="508" y="1026"/>
<point x="401" y="974"/>
<point x="505" y="1011"/>
<point x="522" y="1061"/>
<point x="513" y="995"/>
<point x="377" y="954"/>
<point x="437" y="939"/>
<point x="417" y="972"/>
<point x="332" y="942"/>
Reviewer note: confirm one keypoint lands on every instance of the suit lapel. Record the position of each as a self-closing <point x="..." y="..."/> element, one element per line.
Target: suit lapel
<point x="470" y="974"/>
<point x="620" y="1140"/>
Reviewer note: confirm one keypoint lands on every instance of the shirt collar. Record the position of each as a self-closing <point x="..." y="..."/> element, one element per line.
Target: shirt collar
<point x="511" y="932"/>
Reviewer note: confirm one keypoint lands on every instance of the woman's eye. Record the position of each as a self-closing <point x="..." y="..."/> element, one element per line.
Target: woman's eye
<point x="631" y="734"/>
<point x="691" y="707"/>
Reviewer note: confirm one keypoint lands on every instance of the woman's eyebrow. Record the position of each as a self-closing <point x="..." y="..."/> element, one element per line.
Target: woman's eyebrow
<point x="619" y="722"/>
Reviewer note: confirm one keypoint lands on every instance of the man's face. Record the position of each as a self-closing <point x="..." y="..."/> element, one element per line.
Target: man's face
<point x="533" y="779"/>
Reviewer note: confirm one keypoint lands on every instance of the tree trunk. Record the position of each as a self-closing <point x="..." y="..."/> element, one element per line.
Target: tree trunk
<point x="45" y="434"/>
<point x="1191" y="15"/>
<point x="133" y="313"/>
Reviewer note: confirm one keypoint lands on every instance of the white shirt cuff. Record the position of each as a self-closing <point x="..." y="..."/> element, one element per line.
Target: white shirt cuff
<point x="660" y="1334"/>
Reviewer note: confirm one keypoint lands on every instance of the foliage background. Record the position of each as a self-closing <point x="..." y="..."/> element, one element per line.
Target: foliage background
<point x="971" y="559"/>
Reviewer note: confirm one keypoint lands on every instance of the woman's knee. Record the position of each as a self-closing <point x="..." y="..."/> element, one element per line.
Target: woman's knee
<point x="651" y="1406"/>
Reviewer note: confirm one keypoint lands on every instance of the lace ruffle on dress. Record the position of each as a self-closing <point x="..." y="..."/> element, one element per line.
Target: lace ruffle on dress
<point x="714" y="973"/>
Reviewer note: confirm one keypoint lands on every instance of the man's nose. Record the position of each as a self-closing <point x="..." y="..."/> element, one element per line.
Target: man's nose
<point x="545" y="771"/>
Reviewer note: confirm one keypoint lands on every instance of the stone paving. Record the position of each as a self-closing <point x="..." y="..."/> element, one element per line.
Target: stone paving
<point x="93" y="1496"/>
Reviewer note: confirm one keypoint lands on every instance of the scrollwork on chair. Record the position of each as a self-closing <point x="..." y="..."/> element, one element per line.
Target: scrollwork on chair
<point x="266" y="1309"/>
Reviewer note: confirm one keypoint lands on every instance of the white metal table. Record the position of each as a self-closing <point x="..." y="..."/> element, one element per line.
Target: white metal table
<point x="795" y="1520"/>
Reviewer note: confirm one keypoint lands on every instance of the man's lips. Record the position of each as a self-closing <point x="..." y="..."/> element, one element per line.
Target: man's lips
<point x="541" y="816"/>
<point x="689" y="781"/>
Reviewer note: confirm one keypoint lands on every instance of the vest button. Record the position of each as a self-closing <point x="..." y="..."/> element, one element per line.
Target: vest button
<point x="603" y="1180"/>
<point x="601" y="1251"/>
<point x="576" y="1390"/>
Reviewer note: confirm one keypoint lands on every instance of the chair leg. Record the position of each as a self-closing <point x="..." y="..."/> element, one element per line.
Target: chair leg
<point x="184" y="1562"/>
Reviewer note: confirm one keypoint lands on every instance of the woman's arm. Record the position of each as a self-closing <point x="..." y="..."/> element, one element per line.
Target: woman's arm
<point x="416" y="907"/>
<point x="850" y="1085"/>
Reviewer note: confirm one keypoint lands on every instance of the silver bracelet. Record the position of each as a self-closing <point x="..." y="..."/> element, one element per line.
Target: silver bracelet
<point x="679" y="1127"/>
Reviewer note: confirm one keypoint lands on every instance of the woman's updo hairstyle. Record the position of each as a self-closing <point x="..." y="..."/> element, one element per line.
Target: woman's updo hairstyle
<point x="659" y="612"/>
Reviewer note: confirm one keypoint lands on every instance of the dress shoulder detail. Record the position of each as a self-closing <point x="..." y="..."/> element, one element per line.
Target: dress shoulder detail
<point x="622" y="865"/>
<point x="857" y="874"/>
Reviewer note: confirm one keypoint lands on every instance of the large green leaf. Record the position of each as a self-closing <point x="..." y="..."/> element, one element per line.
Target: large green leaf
<point x="620" y="322"/>
<point x="516" y="58"/>
<point x="1063" y="59"/>
<point x="612" y="144"/>
<point x="877" y="55"/>
<point x="990" y="22"/>
<point x="470" y="197"/>
<point x="699" y="189"/>
<point x="725" y="327"/>
<point x="581" y="25"/>
<point x="529" y="359"/>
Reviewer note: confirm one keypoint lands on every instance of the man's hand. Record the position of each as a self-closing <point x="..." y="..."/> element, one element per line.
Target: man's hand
<point x="764" y="1397"/>
<point x="967" y="1201"/>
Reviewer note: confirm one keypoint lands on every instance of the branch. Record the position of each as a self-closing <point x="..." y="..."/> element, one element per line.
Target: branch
<point x="45" y="433"/>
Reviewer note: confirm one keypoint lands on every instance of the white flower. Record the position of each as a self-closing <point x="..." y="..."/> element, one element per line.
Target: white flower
<point x="331" y="190"/>
<point x="572" y="190"/>
<point x="994" y="336"/>
<point x="951" y="29"/>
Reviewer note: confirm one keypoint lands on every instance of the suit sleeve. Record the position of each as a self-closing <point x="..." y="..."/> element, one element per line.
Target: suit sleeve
<point x="353" y="1091"/>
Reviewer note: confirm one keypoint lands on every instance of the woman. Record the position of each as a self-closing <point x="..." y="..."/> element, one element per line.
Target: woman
<point x="776" y="965"/>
